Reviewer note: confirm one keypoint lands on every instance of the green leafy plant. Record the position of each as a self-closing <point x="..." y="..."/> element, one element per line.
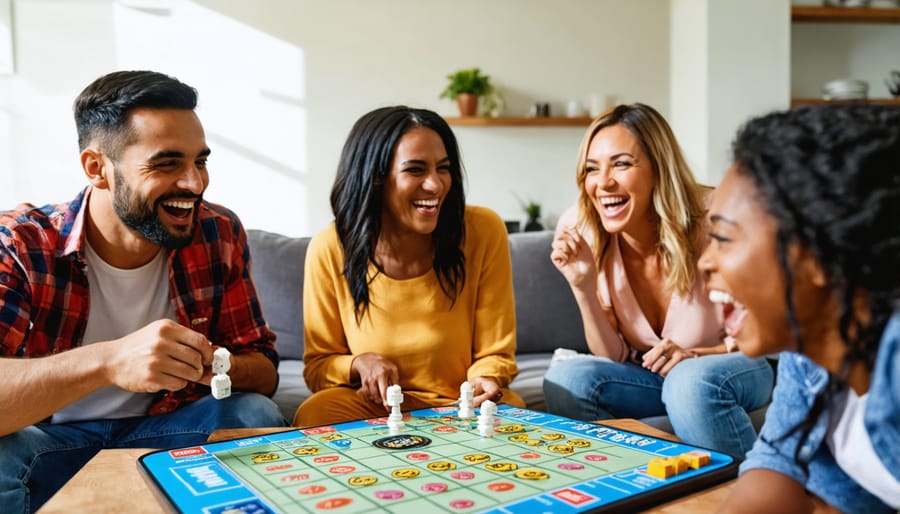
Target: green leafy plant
<point x="470" y="80"/>
<point x="532" y="209"/>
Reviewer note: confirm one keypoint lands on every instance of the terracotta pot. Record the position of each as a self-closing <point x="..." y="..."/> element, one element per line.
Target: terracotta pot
<point x="467" y="103"/>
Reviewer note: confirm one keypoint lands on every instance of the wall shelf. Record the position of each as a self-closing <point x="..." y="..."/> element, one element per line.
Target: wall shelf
<point x="484" y="121"/>
<point x="796" y="102"/>
<point x="805" y="13"/>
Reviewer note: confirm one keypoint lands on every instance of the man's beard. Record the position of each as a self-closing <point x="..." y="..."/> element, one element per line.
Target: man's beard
<point x="138" y="216"/>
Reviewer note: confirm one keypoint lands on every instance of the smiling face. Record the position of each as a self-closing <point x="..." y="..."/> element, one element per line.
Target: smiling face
<point x="417" y="183"/>
<point x="743" y="274"/>
<point x="160" y="175"/>
<point x="619" y="179"/>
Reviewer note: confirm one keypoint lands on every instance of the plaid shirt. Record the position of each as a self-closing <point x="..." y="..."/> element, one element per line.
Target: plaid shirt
<point x="44" y="290"/>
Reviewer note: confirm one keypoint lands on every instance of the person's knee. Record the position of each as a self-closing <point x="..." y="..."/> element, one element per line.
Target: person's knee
<point x="251" y="410"/>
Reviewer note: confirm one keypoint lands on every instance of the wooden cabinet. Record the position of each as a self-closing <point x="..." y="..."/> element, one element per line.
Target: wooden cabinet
<point x="818" y="14"/>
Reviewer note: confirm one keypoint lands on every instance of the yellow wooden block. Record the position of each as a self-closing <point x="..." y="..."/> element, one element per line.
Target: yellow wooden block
<point x="696" y="458"/>
<point x="661" y="467"/>
<point x="681" y="465"/>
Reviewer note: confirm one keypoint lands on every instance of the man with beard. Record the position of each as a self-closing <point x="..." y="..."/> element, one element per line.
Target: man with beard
<point x="112" y="305"/>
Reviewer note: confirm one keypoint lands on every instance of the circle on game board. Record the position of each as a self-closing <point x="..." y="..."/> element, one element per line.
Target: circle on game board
<point x="462" y="475"/>
<point x="260" y="458"/>
<point x="441" y="465"/>
<point x="434" y="487"/>
<point x="595" y="457"/>
<point x="418" y="456"/>
<point x="333" y="503"/>
<point x="509" y="429"/>
<point x="405" y="473"/>
<point x="571" y="466"/>
<point x="446" y="429"/>
<point x="553" y="436"/>
<point x="402" y="442"/>
<point x="564" y="449"/>
<point x="530" y="455"/>
<point x="518" y="438"/>
<point x="502" y="466"/>
<point x="578" y="443"/>
<point x="362" y="480"/>
<point x="532" y="474"/>
<point x="462" y="504"/>
<point x="499" y="487"/>
<point x="476" y="458"/>
<point x="312" y="489"/>
<point x="390" y="494"/>
<point x="341" y="470"/>
<point x="306" y="450"/>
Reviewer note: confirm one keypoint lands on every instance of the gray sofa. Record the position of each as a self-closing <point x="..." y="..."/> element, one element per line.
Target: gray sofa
<point x="547" y="316"/>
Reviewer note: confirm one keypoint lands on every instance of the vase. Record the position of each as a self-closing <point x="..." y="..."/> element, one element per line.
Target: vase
<point x="467" y="103"/>
<point x="533" y="225"/>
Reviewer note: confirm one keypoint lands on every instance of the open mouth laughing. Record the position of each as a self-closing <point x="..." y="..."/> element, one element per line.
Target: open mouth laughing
<point x="733" y="310"/>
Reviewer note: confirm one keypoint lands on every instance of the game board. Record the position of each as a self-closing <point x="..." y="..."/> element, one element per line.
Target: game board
<point x="534" y="462"/>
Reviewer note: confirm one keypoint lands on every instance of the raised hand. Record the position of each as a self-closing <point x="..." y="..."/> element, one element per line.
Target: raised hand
<point x="573" y="258"/>
<point x="375" y="374"/>
<point x="162" y="355"/>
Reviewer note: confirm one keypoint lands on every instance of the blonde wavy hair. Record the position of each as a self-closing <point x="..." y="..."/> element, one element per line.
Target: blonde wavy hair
<point x="677" y="198"/>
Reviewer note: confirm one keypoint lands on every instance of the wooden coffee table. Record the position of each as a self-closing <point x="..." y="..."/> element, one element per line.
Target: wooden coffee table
<point x="111" y="482"/>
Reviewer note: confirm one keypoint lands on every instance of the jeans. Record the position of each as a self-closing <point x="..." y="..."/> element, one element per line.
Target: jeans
<point x="707" y="399"/>
<point x="37" y="460"/>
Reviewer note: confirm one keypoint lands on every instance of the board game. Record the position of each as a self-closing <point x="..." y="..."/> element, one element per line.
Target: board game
<point x="533" y="462"/>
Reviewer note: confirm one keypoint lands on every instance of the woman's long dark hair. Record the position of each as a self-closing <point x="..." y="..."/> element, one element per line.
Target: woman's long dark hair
<point x="830" y="177"/>
<point x="356" y="198"/>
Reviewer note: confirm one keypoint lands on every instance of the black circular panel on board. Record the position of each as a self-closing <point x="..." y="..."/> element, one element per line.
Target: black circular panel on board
<point x="402" y="442"/>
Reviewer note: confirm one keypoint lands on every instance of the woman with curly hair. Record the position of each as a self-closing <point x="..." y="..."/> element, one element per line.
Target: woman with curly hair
<point x="806" y="251"/>
<point x="409" y="286"/>
<point x="629" y="252"/>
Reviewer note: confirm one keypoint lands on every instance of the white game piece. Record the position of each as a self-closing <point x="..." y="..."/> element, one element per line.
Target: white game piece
<point x="394" y="399"/>
<point x="486" y="418"/>
<point x="221" y="382"/>
<point x="465" y="401"/>
<point x="221" y="361"/>
<point x="221" y="386"/>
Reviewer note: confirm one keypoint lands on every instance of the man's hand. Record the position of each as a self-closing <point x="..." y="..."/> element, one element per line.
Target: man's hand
<point x="484" y="389"/>
<point x="162" y="355"/>
<point x="375" y="374"/>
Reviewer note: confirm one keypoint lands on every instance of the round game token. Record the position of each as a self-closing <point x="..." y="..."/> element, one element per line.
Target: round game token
<point x="499" y="487"/>
<point x="402" y="442"/>
<point x="462" y="504"/>
<point x="434" y="487"/>
<point x="390" y="494"/>
<point x="594" y="457"/>
<point x="462" y="475"/>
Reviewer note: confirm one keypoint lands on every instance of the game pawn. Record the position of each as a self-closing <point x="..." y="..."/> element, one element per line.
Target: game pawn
<point x="486" y="418"/>
<point x="394" y="399"/>
<point x="466" y="392"/>
<point x="221" y="382"/>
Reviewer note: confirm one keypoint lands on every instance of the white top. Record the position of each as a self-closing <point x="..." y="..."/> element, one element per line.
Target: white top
<point x="121" y="302"/>
<point x="852" y="449"/>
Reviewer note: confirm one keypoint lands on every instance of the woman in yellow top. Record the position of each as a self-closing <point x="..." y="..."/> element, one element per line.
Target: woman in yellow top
<point x="409" y="285"/>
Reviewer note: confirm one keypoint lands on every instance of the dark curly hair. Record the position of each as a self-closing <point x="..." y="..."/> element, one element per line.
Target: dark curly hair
<point x="356" y="198"/>
<point x="830" y="177"/>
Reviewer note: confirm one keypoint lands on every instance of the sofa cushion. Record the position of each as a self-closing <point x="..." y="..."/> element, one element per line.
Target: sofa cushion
<point x="277" y="267"/>
<point x="547" y="316"/>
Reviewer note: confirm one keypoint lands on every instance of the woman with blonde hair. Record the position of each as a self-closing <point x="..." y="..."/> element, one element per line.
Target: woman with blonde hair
<point x="629" y="250"/>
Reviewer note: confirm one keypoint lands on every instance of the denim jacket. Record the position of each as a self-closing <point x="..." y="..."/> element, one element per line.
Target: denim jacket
<point x="799" y="380"/>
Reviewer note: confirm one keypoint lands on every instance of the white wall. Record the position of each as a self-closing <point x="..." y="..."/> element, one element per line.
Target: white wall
<point x="730" y="61"/>
<point x="282" y="81"/>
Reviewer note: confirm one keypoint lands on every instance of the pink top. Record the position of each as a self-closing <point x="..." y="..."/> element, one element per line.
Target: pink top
<point x="691" y="321"/>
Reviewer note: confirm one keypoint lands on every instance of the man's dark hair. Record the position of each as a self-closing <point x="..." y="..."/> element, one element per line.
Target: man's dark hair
<point x="830" y="177"/>
<point x="102" y="109"/>
<point x="356" y="198"/>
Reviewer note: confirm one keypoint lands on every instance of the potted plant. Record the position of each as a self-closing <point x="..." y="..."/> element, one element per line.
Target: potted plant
<point x="533" y="211"/>
<point x="465" y="86"/>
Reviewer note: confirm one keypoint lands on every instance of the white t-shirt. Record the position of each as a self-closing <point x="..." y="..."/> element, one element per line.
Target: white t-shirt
<point x="121" y="302"/>
<point x="852" y="449"/>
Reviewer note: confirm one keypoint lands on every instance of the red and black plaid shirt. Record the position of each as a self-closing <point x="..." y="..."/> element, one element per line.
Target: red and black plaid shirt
<point x="44" y="290"/>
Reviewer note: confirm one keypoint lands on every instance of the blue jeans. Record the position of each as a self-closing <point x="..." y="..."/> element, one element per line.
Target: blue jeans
<point x="37" y="460"/>
<point x="707" y="399"/>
